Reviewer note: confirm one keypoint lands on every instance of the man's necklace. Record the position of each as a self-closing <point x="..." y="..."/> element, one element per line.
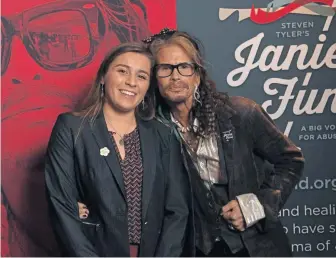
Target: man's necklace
<point x="180" y="127"/>
<point x="187" y="133"/>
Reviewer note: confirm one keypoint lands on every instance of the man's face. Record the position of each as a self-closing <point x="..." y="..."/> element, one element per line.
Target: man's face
<point x="180" y="85"/>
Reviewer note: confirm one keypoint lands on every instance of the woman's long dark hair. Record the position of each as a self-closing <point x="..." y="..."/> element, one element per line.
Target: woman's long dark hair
<point x="94" y="102"/>
<point x="210" y="98"/>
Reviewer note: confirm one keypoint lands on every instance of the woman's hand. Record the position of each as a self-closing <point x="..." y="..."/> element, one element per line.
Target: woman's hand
<point x="83" y="210"/>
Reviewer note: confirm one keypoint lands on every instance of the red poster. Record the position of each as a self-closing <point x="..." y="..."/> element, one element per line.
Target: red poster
<point x="50" y="52"/>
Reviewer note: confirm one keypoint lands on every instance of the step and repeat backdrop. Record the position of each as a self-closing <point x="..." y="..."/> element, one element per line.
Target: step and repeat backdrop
<point x="282" y="54"/>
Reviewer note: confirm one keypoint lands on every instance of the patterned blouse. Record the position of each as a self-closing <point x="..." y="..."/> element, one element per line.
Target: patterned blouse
<point x="132" y="170"/>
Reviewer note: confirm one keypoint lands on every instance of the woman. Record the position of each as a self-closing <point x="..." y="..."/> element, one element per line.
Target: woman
<point x="124" y="166"/>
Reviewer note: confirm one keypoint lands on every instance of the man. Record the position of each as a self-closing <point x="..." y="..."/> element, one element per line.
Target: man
<point x="242" y="169"/>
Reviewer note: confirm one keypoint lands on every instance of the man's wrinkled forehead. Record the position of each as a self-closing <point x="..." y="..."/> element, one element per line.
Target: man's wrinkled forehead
<point x="172" y="54"/>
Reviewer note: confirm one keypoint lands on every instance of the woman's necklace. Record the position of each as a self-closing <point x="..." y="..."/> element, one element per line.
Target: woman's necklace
<point x="122" y="137"/>
<point x="121" y="141"/>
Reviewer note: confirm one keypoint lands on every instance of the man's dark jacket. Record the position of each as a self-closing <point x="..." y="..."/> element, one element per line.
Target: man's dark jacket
<point x="258" y="159"/>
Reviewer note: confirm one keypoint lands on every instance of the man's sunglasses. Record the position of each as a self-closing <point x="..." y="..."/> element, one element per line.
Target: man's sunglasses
<point x="185" y="69"/>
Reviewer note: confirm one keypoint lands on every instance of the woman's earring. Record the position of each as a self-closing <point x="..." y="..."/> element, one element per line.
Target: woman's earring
<point x="143" y="104"/>
<point x="102" y="90"/>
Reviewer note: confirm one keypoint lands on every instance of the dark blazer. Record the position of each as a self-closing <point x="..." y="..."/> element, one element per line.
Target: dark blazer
<point x="259" y="159"/>
<point x="76" y="171"/>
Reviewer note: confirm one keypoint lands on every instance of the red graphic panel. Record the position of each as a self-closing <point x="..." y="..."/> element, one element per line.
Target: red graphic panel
<point x="263" y="17"/>
<point x="50" y="52"/>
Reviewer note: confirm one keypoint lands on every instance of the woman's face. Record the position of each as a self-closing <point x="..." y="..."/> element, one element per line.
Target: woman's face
<point x="127" y="81"/>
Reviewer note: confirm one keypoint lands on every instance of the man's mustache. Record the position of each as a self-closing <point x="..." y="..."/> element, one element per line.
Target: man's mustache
<point x="177" y="86"/>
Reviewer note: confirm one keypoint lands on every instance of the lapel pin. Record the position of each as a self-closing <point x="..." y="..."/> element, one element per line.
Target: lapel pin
<point x="104" y="151"/>
<point x="227" y="135"/>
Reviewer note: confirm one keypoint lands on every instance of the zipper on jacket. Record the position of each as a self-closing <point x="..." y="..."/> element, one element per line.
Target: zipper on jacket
<point x="96" y="225"/>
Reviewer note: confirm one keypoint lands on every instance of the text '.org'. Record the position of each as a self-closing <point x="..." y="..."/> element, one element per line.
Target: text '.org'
<point x="316" y="184"/>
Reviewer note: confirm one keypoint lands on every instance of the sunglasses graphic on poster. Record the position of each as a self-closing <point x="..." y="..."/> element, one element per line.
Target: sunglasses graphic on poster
<point x="50" y="52"/>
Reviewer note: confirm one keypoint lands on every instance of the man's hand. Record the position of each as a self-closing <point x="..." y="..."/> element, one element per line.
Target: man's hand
<point x="232" y="214"/>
